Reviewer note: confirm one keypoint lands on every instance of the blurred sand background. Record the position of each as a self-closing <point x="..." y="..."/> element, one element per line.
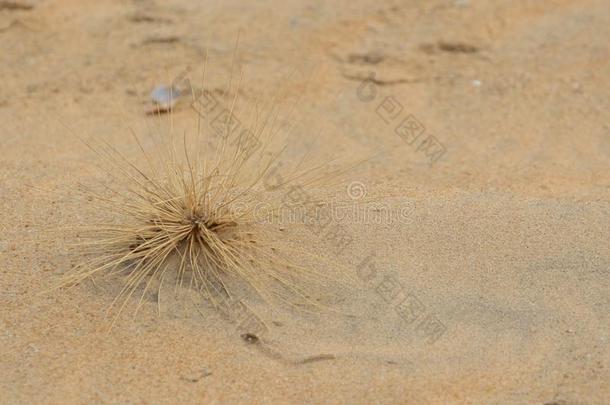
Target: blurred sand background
<point x="506" y="241"/>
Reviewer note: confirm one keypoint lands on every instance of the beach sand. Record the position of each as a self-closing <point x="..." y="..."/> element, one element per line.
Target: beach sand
<point x="483" y="270"/>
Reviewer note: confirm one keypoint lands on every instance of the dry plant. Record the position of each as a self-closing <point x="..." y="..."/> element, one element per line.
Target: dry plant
<point x="191" y="211"/>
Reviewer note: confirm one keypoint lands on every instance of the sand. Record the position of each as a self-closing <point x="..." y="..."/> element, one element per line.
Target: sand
<point x="487" y="282"/>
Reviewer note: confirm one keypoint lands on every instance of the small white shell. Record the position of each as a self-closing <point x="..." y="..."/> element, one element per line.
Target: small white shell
<point x="165" y="97"/>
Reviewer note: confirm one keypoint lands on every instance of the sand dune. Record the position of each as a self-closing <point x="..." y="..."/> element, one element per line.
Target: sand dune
<point x="479" y="244"/>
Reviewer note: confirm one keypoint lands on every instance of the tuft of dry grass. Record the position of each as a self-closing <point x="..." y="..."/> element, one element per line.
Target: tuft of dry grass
<point x="191" y="209"/>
